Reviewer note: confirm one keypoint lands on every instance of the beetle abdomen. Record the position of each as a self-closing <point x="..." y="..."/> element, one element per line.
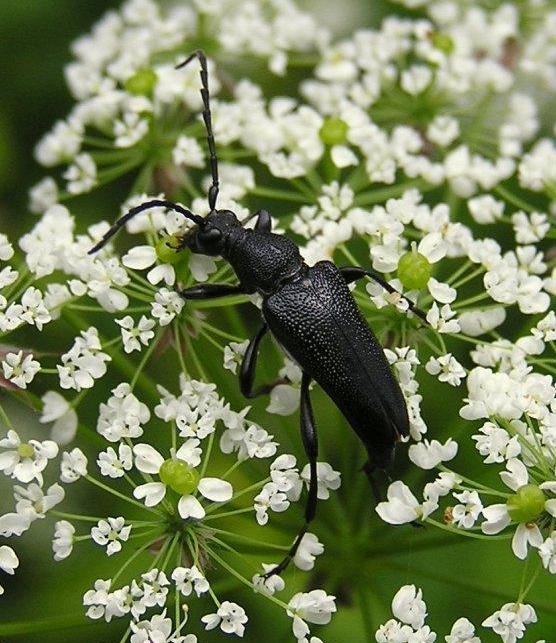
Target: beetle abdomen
<point x="317" y="321"/>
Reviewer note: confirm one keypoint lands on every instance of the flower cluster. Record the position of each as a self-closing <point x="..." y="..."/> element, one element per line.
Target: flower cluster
<point x="417" y="148"/>
<point x="410" y="612"/>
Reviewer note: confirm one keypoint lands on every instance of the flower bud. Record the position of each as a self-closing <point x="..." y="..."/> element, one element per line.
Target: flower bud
<point x="168" y="250"/>
<point x="179" y="476"/>
<point x="414" y="270"/>
<point x="526" y="504"/>
<point x="141" y="83"/>
<point x="333" y="131"/>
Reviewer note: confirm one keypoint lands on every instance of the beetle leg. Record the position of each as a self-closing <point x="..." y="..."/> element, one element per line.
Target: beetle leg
<point x="353" y="273"/>
<point x="249" y="365"/>
<point x="310" y="443"/>
<point x="264" y="222"/>
<point x="208" y="291"/>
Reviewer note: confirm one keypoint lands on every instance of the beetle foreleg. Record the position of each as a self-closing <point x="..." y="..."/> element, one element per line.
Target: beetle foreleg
<point x="208" y="291"/>
<point x="353" y="273"/>
<point x="310" y="443"/>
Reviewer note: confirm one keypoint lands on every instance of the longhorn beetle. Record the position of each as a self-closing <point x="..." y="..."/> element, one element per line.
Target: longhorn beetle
<point x="310" y="311"/>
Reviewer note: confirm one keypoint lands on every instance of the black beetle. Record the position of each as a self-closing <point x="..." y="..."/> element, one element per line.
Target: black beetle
<point x="311" y="313"/>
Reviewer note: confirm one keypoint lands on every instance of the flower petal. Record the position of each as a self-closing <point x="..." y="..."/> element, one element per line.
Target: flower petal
<point x="139" y="258"/>
<point x="215" y="489"/>
<point x="190" y="507"/>
<point x="152" y="492"/>
<point x="147" y="459"/>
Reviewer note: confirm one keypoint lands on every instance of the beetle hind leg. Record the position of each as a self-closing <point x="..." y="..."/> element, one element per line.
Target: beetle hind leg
<point x="371" y="470"/>
<point x="310" y="443"/>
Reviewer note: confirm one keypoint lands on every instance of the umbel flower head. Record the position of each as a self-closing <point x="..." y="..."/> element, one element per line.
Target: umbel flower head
<point x="421" y="148"/>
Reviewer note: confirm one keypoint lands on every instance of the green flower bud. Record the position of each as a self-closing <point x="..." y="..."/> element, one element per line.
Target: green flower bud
<point x="414" y="270"/>
<point x="167" y="250"/>
<point x="443" y="42"/>
<point x="179" y="476"/>
<point x="25" y="450"/>
<point x="141" y="83"/>
<point x="526" y="504"/>
<point x="333" y="131"/>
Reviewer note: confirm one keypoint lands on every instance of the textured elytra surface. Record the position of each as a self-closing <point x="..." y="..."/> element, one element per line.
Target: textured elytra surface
<point x="317" y="321"/>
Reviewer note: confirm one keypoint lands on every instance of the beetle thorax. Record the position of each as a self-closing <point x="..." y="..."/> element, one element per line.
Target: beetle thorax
<point x="263" y="261"/>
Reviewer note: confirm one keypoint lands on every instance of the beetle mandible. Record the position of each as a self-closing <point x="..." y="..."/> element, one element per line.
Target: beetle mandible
<point x="311" y="313"/>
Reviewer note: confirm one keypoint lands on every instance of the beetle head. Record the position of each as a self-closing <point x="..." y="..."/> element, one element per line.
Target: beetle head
<point x="209" y="238"/>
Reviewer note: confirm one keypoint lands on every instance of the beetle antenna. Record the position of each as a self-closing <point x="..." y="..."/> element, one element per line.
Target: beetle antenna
<point x="200" y="221"/>
<point x="213" y="190"/>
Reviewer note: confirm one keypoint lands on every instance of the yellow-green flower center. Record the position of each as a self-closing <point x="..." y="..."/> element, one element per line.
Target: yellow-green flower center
<point x="179" y="476"/>
<point x="414" y="270"/>
<point x="141" y="83"/>
<point x="443" y="42"/>
<point x="167" y="250"/>
<point x="333" y="131"/>
<point x="526" y="504"/>
<point x="25" y="450"/>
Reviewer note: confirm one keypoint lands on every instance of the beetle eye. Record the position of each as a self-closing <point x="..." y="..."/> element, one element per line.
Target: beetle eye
<point x="212" y="235"/>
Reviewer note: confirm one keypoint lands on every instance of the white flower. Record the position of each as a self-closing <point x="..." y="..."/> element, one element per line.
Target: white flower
<point x="462" y="632"/>
<point x="133" y="336"/>
<point x="547" y="552"/>
<point x="194" y="423"/>
<point x="8" y="562"/>
<point x="268" y="585"/>
<point x="409" y="607"/>
<point x="57" y="409"/>
<point x="315" y="607"/>
<point x="393" y="632"/>
<point x="402" y="506"/>
<point x="6" y="248"/>
<point x="526" y="534"/>
<point x="442" y="319"/>
<point x="309" y="548"/>
<point x="496" y="444"/>
<point x="84" y="362"/>
<point x="416" y="79"/>
<point x="428" y="455"/>
<point x="130" y="129"/>
<point x="24" y="461"/>
<point x="486" y="209"/>
<point x="123" y="415"/>
<point x="20" y="370"/>
<point x="111" y="533"/>
<point x="447" y="368"/>
<point x="233" y="355"/>
<point x="444" y="483"/>
<point x="510" y="621"/>
<point x="141" y="257"/>
<point x="97" y="599"/>
<point x="41" y="197"/>
<point x="270" y="497"/>
<point x="327" y="479"/>
<point x="81" y="175"/>
<point x="62" y="544"/>
<point x="148" y="460"/>
<point x="166" y="306"/>
<point x="73" y="465"/>
<point x="190" y="579"/>
<point x="114" y="465"/>
<point x="464" y="515"/>
<point x="230" y="616"/>
<point x="188" y="152"/>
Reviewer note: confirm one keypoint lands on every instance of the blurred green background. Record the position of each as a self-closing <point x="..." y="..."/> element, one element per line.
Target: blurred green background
<point x="470" y="578"/>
